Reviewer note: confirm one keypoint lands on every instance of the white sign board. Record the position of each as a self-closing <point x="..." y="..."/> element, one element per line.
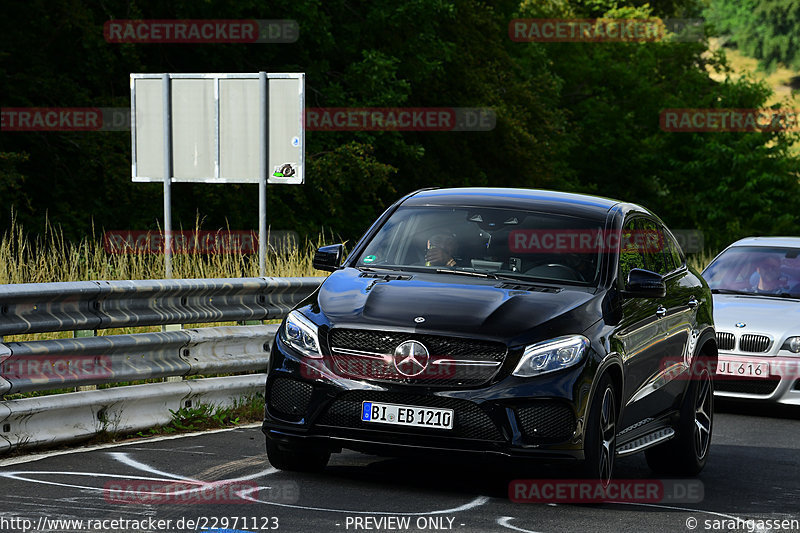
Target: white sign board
<point x="216" y="127"/>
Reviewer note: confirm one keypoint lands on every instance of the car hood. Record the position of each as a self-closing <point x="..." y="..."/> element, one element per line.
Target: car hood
<point x="454" y="304"/>
<point x="760" y="314"/>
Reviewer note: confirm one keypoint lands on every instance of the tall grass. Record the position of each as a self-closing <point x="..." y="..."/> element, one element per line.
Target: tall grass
<point x="701" y="260"/>
<point x="51" y="257"/>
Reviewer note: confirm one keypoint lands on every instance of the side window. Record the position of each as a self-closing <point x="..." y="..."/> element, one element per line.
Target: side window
<point x="674" y="250"/>
<point x="651" y="239"/>
<point x="630" y="255"/>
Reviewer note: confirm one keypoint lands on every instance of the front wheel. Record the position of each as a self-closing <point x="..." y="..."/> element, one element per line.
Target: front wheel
<point x="305" y="459"/>
<point x="601" y="433"/>
<point x="686" y="455"/>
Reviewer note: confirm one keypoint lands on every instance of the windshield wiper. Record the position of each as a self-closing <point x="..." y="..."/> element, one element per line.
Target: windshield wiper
<point x="375" y="269"/>
<point x="731" y="291"/>
<point x="751" y="293"/>
<point x="468" y="273"/>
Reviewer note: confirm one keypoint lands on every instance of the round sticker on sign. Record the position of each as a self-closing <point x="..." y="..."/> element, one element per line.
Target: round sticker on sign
<point x="295" y="141"/>
<point x="284" y="171"/>
<point x="370" y="259"/>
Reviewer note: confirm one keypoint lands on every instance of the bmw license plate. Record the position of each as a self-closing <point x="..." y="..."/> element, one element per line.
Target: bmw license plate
<point x="407" y="415"/>
<point x="743" y="368"/>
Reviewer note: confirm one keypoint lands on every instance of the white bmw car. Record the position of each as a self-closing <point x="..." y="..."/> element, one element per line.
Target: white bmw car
<point x="756" y="287"/>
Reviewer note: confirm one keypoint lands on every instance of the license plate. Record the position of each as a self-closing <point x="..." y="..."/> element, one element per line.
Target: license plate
<point x="743" y="368"/>
<point x="406" y="415"/>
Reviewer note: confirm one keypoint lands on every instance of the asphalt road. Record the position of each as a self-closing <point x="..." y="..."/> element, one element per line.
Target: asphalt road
<point x="753" y="474"/>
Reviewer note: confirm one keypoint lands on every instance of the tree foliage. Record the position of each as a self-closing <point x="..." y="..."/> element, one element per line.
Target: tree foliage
<point x="570" y="116"/>
<point x="768" y="30"/>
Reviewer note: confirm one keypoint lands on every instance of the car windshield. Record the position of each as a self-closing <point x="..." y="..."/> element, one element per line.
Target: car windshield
<point x="756" y="270"/>
<point x="502" y="243"/>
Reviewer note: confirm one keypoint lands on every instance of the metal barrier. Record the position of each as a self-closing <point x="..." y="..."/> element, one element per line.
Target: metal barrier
<point x="83" y="361"/>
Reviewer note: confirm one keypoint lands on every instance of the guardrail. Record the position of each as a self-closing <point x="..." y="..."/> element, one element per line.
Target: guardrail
<point x="87" y="360"/>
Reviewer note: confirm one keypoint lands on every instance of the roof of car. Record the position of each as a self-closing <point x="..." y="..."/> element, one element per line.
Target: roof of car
<point x="791" y="242"/>
<point x="552" y="201"/>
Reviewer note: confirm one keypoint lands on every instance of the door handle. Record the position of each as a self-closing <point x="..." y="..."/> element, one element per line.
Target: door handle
<point x="692" y="303"/>
<point x="661" y="312"/>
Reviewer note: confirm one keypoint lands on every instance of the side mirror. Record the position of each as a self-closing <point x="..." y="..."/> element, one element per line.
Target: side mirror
<point x="643" y="283"/>
<point x="328" y="258"/>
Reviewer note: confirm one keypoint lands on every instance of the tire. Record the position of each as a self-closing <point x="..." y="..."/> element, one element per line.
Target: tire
<point x="305" y="459"/>
<point x="686" y="454"/>
<point x="601" y="433"/>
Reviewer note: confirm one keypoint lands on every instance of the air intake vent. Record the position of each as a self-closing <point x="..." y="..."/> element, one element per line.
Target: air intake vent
<point x="511" y="286"/>
<point x="762" y="387"/>
<point x="725" y="340"/>
<point x="550" y="421"/>
<point x="384" y="277"/>
<point x="289" y="399"/>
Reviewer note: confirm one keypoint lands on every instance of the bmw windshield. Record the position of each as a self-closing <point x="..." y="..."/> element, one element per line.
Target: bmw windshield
<point x="494" y="242"/>
<point x="756" y="270"/>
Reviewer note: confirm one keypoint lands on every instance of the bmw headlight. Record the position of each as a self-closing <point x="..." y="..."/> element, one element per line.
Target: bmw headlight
<point x="301" y="334"/>
<point x="554" y="354"/>
<point x="792" y="344"/>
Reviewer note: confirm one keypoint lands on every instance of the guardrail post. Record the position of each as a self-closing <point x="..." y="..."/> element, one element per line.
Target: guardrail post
<point x="172" y="327"/>
<point x="82" y="333"/>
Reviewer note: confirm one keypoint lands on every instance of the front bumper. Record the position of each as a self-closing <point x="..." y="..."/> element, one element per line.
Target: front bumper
<point x="540" y="417"/>
<point x="782" y="386"/>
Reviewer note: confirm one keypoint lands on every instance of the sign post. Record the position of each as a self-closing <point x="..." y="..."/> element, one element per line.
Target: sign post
<point x="263" y="131"/>
<point x="167" y="113"/>
<point x="218" y="128"/>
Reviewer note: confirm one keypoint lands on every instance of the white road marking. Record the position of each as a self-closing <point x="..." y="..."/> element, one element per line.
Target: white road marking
<point x="123" y="458"/>
<point x="672" y="508"/>
<point x="39" y="456"/>
<point x="201" y="485"/>
<point x="504" y="521"/>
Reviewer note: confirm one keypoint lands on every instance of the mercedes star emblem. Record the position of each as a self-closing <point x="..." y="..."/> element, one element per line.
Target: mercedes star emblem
<point x="411" y="358"/>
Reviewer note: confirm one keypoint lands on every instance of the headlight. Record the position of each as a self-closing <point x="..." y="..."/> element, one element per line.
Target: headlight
<point x="554" y="354"/>
<point x="301" y="334"/>
<point x="792" y="344"/>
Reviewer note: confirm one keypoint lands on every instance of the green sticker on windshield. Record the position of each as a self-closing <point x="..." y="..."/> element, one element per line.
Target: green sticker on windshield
<point x="370" y="258"/>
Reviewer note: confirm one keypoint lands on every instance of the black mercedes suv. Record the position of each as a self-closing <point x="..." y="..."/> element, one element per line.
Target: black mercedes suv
<point x="521" y="323"/>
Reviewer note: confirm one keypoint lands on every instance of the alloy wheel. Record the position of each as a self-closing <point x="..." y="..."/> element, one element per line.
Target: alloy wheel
<point x="608" y="435"/>
<point x="703" y="415"/>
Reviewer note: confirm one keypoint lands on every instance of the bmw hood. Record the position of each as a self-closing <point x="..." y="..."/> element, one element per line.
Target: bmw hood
<point x="455" y="304"/>
<point x="759" y="314"/>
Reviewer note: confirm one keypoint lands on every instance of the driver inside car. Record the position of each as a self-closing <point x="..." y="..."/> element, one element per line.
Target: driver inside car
<point x="441" y="248"/>
<point x="768" y="277"/>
